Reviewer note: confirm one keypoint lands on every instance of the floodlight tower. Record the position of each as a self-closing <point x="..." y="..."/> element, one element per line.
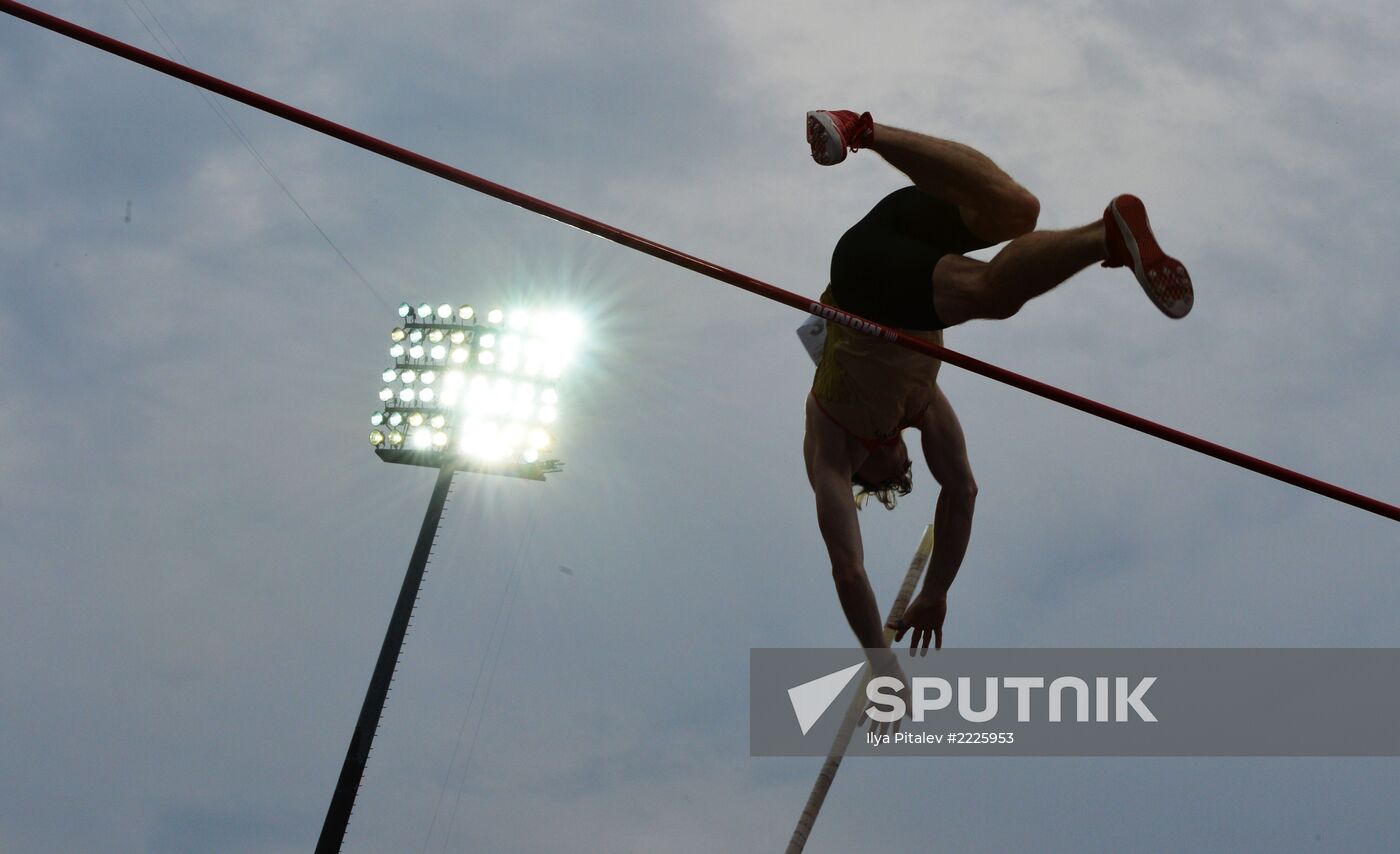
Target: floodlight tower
<point x="464" y="393"/>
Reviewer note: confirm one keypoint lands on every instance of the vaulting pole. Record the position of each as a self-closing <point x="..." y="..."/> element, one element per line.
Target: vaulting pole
<point x="698" y="265"/>
<point x="827" y="774"/>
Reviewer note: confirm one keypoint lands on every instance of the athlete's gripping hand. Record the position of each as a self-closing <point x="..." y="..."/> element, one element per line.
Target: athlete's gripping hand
<point x="883" y="662"/>
<point x="924" y="617"/>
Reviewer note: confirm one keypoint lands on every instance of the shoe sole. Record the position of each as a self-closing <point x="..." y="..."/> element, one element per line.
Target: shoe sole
<point x="824" y="138"/>
<point x="1163" y="278"/>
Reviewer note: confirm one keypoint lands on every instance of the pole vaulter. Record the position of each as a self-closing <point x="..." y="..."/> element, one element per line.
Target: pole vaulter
<point x="698" y="265"/>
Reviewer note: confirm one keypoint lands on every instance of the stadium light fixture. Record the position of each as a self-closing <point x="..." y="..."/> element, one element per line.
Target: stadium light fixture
<point x="478" y="392"/>
<point x="460" y="394"/>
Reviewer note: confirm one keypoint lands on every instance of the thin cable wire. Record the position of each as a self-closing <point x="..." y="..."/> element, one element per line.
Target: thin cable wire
<point x="471" y="697"/>
<point x="238" y="133"/>
<point x="699" y="265"/>
<point x="522" y="562"/>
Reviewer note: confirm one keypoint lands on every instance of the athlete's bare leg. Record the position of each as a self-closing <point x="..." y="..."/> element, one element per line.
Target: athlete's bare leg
<point x="993" y="205"/>
<point x="996" y="208"/>
<point x="966" y="289"/>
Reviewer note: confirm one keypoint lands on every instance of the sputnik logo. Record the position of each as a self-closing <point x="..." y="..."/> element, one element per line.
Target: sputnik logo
<point x="810" y="700"/>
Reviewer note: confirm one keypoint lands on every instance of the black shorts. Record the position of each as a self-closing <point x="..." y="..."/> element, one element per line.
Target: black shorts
<point x="882" y="268"/>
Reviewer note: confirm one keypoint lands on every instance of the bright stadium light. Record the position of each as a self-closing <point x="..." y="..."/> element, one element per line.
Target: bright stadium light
<point x="461" y="395"/>
<point x="478" y="392"/>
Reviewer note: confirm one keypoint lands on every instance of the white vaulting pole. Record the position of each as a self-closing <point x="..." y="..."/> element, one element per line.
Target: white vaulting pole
<point x="852" y="719"/>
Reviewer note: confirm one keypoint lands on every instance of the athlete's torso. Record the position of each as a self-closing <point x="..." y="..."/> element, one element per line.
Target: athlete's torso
<point x="872" y="387"/>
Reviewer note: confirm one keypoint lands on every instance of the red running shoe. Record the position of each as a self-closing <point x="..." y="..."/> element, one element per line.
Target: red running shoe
<point x="832" y="132"/>
<point x="1131" y="244"/>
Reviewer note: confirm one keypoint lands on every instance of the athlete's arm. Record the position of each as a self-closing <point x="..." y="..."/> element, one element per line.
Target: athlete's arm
<point x="945" y="450"/>
<point x="829" y="466"/>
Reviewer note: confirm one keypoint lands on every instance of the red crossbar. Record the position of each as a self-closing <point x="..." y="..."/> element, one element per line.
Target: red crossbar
<point x="690" y="262"/>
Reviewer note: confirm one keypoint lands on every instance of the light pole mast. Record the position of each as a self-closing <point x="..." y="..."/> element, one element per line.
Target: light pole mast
<point x="353" y="770"/>
<point x="462" y="395"/>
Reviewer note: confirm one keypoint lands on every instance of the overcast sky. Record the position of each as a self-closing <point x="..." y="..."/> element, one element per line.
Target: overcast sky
<point x="200" y="550"/>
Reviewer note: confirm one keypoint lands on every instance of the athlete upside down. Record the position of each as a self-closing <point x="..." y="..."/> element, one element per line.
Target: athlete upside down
<point x="902" y="265"/>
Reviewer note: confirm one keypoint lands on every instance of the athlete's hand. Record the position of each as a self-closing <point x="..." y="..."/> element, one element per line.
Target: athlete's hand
<point x="884" y="663"/>
<point x="924" y="617"/>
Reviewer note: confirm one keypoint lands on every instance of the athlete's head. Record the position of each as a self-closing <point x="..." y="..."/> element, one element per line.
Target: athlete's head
<point x="885" y="474"/>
